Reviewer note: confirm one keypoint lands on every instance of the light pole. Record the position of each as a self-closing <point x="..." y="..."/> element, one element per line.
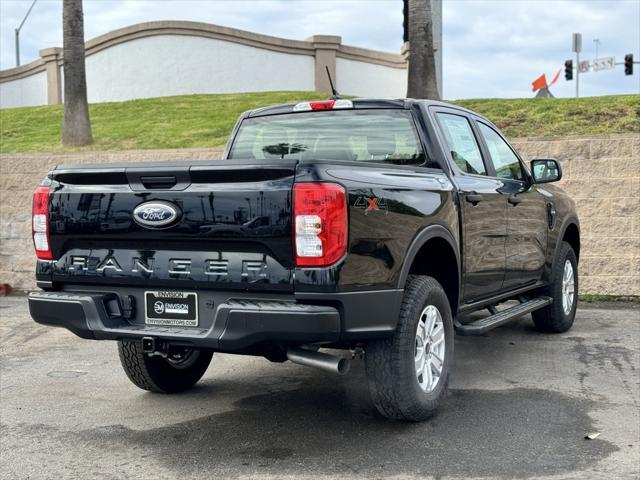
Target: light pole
<point x="18" y="33"/>
<point x="577" y="48"/>
<point x="597" y="42"/>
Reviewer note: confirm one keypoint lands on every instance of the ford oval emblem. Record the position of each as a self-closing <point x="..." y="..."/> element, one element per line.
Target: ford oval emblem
<point x="155" y="214"/>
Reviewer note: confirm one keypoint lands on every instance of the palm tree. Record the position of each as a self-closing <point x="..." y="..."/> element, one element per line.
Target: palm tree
<point x="76" y="128"/>
<point x="422" y="79"/>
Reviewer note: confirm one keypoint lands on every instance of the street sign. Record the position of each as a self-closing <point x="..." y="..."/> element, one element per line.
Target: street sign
<point x="607" y="63"/>
<point x="583" y="66"/>
<point x="577" y="42"/>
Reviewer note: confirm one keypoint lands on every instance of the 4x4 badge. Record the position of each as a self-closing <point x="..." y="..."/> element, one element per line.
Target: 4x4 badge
<point x="371" y="203"/>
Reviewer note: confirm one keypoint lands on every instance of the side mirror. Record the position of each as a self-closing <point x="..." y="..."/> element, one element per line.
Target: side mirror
<point x="545" y="171"/>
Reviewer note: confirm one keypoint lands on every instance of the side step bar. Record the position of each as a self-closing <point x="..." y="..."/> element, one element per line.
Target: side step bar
<point x="482" y="326"/>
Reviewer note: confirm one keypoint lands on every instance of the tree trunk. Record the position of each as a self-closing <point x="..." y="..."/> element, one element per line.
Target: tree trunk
<point x="76" y="129"/>
<point x="422" y="79"/>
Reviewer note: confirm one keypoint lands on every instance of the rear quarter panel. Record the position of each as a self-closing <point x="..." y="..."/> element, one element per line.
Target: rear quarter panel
<point x="388" y="207"/>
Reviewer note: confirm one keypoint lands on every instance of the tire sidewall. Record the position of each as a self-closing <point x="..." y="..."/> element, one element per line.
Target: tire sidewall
<point x="437" y="298"/>
<point x="567" y="253"/>
<point x="552" y="318"/>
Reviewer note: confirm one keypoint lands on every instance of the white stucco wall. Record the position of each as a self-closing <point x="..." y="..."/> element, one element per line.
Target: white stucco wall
<point x="166" y="58"/>
<point x="176" y="65"/>
<point x="24" y="92"/>
<point x="370" y="80"/>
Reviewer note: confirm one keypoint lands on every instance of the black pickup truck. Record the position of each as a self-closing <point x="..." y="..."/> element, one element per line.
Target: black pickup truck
<point x="371" y="226"/>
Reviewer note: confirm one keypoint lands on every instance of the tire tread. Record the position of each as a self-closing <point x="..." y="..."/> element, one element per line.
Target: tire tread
<point x="155" y="374"/>
<point x="390" y="385"/>
<point x="551" y="319"/>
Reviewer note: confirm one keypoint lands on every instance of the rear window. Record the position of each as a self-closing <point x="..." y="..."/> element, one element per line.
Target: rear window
<point x="364" y="135"/>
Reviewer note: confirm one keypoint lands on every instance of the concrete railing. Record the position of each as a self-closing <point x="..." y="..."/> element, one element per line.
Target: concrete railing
<point x="177" y="57"/>
<point x="601" y="173"/>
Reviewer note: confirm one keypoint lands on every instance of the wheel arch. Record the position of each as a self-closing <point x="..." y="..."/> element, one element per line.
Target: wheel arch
<point x="434" y="252"/>
<point x="571" y="235"/>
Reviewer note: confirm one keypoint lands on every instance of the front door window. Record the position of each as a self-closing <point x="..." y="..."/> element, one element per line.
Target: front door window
<point x="505" y="162"/>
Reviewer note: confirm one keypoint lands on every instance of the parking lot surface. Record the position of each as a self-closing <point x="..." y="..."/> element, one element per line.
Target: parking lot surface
<point x="520" y="406"/>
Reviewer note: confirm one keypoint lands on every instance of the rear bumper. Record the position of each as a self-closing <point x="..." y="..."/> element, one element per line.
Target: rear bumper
<point x="238" y="324"/>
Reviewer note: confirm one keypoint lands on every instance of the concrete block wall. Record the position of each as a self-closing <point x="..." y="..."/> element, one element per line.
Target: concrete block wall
<point x="602" y="173"/>
<point x="21" y="173"/>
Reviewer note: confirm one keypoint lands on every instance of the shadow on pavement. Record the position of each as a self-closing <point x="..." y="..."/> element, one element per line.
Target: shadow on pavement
<point x="331" y="430"/>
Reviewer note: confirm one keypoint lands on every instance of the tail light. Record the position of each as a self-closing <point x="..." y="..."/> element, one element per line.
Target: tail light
<point x="320" y="223"/>
<point x="40" y="223"/>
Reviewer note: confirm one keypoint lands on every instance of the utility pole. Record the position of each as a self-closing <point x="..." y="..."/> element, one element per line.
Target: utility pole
<point x="17" y="32"/>
<point x="436" y="12"/>
<point x="577" y="48"/>
<point x="597" y="42"/>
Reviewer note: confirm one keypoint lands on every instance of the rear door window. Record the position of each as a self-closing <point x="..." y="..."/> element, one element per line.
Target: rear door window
<point x="462" y="143"/>
<point x="375" y="135"/>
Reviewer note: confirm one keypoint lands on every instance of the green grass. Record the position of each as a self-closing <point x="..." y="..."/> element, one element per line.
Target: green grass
<point x="542" y="117"/>
<point x="595" y="298"/>
<point x="206" y="120"/>
<point x="189" y="121"/>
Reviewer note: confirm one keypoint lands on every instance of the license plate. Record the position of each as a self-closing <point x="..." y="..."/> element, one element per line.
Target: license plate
<point x="178" y="309"/>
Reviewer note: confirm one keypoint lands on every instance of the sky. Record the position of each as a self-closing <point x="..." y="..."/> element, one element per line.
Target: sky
<point x="491" y="48"/>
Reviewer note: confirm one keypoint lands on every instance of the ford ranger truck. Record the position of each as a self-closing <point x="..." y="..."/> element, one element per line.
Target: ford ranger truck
<point x="370" y="226"/>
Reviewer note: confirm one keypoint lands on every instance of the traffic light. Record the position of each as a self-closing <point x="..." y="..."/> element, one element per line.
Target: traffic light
<point x="628" y="64"/>
<point x="405" y="21"/>
<point x="568" y="70"/>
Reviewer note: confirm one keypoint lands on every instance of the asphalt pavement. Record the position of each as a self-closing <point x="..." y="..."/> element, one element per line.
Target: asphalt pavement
<point x="520" y="405"/>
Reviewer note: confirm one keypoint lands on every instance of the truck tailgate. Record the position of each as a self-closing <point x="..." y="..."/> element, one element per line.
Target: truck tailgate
<point x="233" y="225"/>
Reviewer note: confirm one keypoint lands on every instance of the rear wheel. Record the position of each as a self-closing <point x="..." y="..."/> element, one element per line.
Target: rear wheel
<point x="179" y="371"/>
<point x="408" y="374"/>
<point x="558" y="317"/>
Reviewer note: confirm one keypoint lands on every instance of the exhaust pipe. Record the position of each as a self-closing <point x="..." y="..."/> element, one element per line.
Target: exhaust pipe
<point x="323" y="361"/>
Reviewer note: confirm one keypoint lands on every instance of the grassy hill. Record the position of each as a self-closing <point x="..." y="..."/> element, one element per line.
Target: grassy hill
<point x="541" y="117"/>
<point x="206" y="120"/>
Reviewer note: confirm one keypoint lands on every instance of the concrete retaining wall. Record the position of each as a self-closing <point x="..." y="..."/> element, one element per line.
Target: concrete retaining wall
<point x="601" y="173"/>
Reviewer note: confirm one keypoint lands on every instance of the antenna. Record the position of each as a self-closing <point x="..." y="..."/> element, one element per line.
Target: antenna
<point x="334" y="93"/>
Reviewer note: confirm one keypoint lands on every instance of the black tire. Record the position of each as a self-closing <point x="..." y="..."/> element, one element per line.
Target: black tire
<point x="553" y="318"/>
<point x="391" y="374"/>
<point x="158" y="374"/>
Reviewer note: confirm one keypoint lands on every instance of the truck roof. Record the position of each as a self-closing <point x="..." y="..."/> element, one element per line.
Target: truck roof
<point x="358" y="103"/>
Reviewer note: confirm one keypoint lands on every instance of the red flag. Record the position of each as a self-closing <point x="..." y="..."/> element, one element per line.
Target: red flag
<point x="555" y="77"/>
<point x="539" y="83"/>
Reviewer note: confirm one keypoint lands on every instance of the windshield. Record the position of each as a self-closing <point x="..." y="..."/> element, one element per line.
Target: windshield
<point x="366" y="135"/>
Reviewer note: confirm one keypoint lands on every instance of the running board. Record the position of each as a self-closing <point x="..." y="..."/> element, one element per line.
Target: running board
<point x="482" y="326"/>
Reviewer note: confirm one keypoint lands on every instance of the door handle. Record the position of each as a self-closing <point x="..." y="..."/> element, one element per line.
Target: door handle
<point x="514" y="200"/>
<point x="473" y="198"/>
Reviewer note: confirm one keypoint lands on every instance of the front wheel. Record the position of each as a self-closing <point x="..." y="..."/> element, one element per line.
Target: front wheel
<point x="179" y="371"/>
<point x="408" y="373"/>
<point x="558" y="317"/>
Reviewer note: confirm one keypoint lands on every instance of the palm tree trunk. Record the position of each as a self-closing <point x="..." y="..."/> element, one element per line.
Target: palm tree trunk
<point x="76" y="128"/>
<point x="422" y="79"/>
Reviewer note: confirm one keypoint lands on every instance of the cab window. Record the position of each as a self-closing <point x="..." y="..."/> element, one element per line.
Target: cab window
<point x="461" y="143"/>
<point x="505" y="162"/>
<point x="376" y="135"/>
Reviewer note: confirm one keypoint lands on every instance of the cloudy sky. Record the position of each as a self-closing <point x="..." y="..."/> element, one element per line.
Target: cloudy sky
<point x="492" y="48"/>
